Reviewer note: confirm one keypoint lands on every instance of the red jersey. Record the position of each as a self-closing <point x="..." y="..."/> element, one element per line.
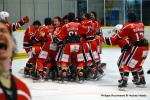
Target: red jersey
<point x="134" y="31"/>
<point x="21" y="89"/>
<point x="72" y="28"/>
<point x="87" y="22"/>
<point x="50" y="28"/>
<point x="57" y="30"/>
<point x="43" y="35"/>
<point x="30" y="31"/>
<point x="98" y="24"/>
<point x="90" y="23"/>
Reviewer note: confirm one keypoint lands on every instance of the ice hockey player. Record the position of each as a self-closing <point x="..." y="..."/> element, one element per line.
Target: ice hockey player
<point x="54" y="48"/>
<point x="43" y="63"/>
<point x="11" y="88"/>
<point x="93" y="56"/>
<point x="135" y="58"/>
<point x="123" y="43"/>
<point x="99" y="32"/>
<point x="93" y="17"/>
<point x="57" y="21"/>
<point x="28" y="44"/>
<point x="70" y="34"/>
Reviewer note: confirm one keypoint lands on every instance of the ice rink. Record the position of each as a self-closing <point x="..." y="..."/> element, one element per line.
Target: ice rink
<point x="104" y="89"/>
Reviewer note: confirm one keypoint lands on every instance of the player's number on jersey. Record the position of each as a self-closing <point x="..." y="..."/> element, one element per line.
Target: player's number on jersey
<point x="72" y="33"/>
<point x="139" y="35"/>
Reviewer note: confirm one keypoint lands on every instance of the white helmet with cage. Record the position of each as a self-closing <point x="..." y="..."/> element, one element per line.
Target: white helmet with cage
<point x="4" y="15"/>
<point x="118" y="27"/>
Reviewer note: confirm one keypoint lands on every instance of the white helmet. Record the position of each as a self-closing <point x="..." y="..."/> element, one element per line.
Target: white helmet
<point x="4" y="15"/>
<point x="118" y="27"/>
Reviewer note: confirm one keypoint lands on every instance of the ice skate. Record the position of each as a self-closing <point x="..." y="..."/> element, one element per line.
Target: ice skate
<point x="120" y="81"/>
<point x="45" y="74"/>
<point x="101" y="73"/>
<point x="53" y="75"/>
<point x="122" y="86"/>
<point x="63" y="77"/>
<point x="38" y="76"/>
<point x="80" y="78"/>
<point x="135" y="80"/>
<point x="103" y="65"/>
<point x="148" y="72"/>
<point x="141" y="83"/>
<point x="27" y="72"/>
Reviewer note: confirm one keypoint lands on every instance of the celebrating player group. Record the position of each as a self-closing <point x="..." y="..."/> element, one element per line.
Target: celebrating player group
<point x="69" y="48"/>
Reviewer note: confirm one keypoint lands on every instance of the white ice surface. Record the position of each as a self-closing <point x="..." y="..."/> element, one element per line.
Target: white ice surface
<point x="90" y="90"/>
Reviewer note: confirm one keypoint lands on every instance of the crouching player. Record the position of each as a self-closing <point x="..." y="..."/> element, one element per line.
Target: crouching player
<point x="29" y="47"/>
<point x="43" y="63"/>
<point x="93" y="57"/>
<point x="71" y="34"/>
